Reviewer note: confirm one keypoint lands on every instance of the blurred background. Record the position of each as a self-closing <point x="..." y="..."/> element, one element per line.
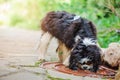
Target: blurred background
<point x="26" y="14"/>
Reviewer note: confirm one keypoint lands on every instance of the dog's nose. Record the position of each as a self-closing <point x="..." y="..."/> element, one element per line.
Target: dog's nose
<point x="85" y="68"/>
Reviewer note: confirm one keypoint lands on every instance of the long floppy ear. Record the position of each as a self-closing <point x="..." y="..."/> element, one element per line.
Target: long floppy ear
<point x="96" y="66"/>
<point x="97" y="62"/>
<point x="93" y="27"/>
<point x="72" y="63"/>
<point x="75" y="56"/>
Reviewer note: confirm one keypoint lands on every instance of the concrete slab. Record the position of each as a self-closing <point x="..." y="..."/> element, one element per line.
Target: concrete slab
<point x="24" y="75"/>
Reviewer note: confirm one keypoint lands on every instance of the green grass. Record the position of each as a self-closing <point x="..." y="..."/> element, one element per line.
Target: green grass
<point x="53" y="78"/>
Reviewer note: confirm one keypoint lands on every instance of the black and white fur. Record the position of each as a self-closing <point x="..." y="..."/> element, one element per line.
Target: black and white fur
<point x="85" y="55"/>
<point x="77" y="38"/>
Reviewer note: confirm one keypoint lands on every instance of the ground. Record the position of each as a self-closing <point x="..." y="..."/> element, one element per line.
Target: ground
<point x="19" y="57"/>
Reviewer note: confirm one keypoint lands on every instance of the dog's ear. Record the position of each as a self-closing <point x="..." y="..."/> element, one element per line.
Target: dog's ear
<point x="72" y="62"/>
<point x="97" y="62"/>
<point x="75" y="56"/>
<point x="93" y="28"/>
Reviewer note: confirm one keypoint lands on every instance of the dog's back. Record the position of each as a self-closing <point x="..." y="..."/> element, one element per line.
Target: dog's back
<point x="64" y="27"/>
<point x="56" y="22"/>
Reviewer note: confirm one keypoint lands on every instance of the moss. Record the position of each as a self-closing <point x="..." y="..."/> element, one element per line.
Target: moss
<point x="53" y="78"/>
<point x="60" y="52"/>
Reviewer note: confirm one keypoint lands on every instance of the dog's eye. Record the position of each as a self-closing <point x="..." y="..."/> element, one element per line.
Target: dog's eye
<point x="90" y="58"/>
<point x="89" y="62"/>
<point x="82" y="63"/>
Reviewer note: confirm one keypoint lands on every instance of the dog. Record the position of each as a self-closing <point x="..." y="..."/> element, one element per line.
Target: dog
<point x="77" y="39"/>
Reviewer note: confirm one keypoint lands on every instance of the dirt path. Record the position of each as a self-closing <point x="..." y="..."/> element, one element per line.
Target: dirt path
<point x="15" y="41"/>
<point x="17" y="48"/>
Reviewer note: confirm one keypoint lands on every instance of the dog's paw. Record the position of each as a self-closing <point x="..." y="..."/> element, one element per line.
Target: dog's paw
<point x="75" y="68"/>
<point x="41" y="57"/>
<point x="42" y="60"/>
<point x="66" y="62"/>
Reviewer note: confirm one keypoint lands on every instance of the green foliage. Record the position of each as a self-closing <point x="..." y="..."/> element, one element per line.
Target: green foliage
<point x="39" y="62"/>
<point x="108" y="36"/>
<point x="2" y="1"/>
<point x="15" y="19"/>
<point x="105" y="14"/>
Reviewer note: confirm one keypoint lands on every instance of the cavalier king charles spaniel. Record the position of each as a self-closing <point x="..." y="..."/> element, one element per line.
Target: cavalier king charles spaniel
<point x="77" y="38"/>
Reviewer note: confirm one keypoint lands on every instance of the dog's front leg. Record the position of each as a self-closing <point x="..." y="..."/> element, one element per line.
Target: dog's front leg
<point x="63" y="53"/>
<point x="66" y="62"/>
<point x="44" y="42"/>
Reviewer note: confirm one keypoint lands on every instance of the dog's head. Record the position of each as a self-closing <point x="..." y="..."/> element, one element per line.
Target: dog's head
<point x="85" y="55"/>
